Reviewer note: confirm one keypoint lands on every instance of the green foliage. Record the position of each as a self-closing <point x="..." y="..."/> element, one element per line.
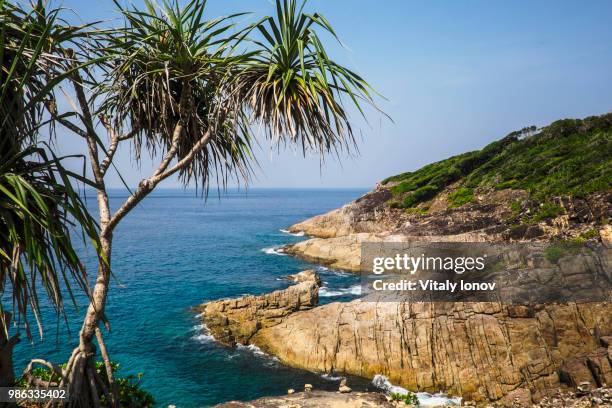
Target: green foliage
<point x="590" y="234"/>
<point x="42" y="373"/>
<point x="554" y="252"/>
<point x="460" y="197"/>
<point x="38" y="203"/>
<point x="546" y="211"/>
<point x="569" y="157"/>
<point x="409" y="399"/>
<point x="416" y="211"/>
<point x="419" y="195"/>
<point x="516" y="208"/>
<point x="171" y="62"/>
<point x="403" y="187"/>
<point x="131" y="393"/>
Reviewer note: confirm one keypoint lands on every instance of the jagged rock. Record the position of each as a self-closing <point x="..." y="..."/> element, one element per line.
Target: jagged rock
<point x="232" y="321"/>
<point x="344" y="388"/>
<point x="474" y="350"/>
<point x="309" y="275"/>
<point x="491" y="216"/>
<point x="366" y="214"/>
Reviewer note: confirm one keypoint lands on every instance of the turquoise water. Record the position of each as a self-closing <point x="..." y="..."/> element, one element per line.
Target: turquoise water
<point x="176" y="251"/>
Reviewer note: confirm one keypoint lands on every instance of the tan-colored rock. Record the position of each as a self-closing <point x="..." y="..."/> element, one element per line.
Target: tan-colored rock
<point x="309" y="275"/>
<point x="474" y="350"/>
<point x="366" y="214"/>
<point x="606" y="235"/>
<point x="317" y="399"/>
<point x="344" y="252"/>
<point x="232" y="321"/>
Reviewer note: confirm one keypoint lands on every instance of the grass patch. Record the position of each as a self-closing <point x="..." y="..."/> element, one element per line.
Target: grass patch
<point x="554" y="252"/>
<point x="416" y="211"/>
<point x="547" y="211"/>
<point x="516" y="208"/>
<point x="590" y="234"/>
<point x="461" y="197"/>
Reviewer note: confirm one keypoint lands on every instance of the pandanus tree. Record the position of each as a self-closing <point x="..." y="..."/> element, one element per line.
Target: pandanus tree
<point x="38" y="204"/>
<point x="191" y="92"/>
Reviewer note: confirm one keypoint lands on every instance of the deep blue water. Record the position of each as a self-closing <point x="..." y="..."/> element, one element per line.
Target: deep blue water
<point x="176" y="251"/>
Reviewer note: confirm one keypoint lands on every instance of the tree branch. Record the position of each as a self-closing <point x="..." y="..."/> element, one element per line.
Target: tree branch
<point x="115" y="138"/>
<point x="92" y="144"/>
<point x="147" y="185"/>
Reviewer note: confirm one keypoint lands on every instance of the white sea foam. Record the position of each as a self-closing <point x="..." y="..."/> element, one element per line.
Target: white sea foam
<point x="295" y="234"/>
<point x="275" y="250"/>
<point x="425" y="399"/>
<point x="202" y="334"/>
<point x="354" y="290"/>
<point x="325" y="270"/>
<point x="331" y="377"/>
<point x="268" y="359"/>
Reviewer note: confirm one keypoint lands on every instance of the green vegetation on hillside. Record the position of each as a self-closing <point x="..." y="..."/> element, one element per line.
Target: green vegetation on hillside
<point x="569" y="157"/>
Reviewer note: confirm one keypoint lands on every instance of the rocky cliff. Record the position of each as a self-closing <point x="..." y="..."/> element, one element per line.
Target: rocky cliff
<point x="553" y="184"/>
<point x="480" y="351"/>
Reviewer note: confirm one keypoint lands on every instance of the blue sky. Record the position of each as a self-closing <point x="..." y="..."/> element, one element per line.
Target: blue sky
<point x="455" y="74"/>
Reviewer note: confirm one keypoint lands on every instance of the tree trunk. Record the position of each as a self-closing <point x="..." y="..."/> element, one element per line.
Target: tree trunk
<point x="79" y="374"/>
<point x="7" y="374"/>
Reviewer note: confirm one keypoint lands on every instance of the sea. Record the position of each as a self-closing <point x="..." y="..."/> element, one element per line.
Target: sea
<point x="177" y="250"/>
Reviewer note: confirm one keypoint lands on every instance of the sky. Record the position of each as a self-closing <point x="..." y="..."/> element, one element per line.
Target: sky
<point x="455" y="75"/>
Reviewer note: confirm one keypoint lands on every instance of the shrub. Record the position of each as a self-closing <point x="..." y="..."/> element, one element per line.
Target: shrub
<point x="416" y="211"/>
<point x="590" y="234"/>
<point x="403" y="187"/>
<point x="516" y="208"/>
<point x="547" y="210"/>
<point x="567" y="158"/>
<point x="420" y="194"/>
<point x="131" y="393"/>
<point x="409" y="399"/>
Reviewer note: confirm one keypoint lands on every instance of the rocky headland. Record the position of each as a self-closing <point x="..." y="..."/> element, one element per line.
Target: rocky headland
<point x="520" y="189"/>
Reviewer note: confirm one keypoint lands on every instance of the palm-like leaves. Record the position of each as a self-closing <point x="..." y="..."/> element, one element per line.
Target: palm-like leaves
<point x="165" y="55"/>
<point x="294" y="88"/>
<point x="37" y="202"/>
<point x="284" y="81"/>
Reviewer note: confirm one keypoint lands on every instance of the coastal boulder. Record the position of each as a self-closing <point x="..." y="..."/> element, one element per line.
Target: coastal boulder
<point x="232" y="321"/>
